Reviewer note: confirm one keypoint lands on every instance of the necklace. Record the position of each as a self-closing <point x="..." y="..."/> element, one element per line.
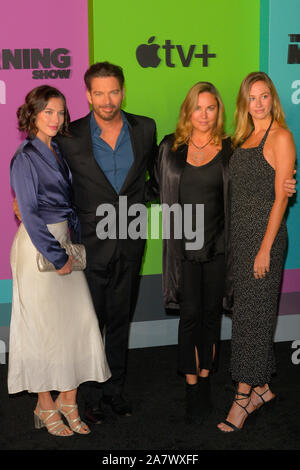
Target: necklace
<point x="202" y="147"/>
<point x="197" y="156"/>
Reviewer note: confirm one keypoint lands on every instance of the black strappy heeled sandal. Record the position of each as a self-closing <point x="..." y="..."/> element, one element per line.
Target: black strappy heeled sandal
<point x="265" y="404"/>
<point x="236" y="400"/>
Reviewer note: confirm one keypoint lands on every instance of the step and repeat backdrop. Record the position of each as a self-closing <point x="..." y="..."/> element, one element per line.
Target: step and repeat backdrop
<point x="163" y="49"/>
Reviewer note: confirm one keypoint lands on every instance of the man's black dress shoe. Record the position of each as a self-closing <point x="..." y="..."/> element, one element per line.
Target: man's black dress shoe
<point x="94" y="415"/>
<point x="118" y="404"/>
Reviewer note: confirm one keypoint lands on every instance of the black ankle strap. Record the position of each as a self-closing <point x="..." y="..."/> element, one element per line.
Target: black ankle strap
<point x="246" y="395"/>
<point x="243" y="395"/>
<point x="260" y="395"/>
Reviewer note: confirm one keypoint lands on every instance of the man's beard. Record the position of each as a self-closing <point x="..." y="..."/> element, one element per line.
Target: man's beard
<point x="107" y="117"/>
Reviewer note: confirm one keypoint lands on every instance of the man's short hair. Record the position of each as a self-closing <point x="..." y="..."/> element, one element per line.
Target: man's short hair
<point x="103" y="69"/>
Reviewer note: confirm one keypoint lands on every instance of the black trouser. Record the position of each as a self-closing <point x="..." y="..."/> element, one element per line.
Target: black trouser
<point x="200" y="313"/>
<point x="114" y="291"/>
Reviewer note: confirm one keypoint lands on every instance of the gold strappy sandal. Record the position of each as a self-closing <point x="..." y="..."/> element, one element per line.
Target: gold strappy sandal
<point x="55" y="427"/>
<point x="72" y="422"/>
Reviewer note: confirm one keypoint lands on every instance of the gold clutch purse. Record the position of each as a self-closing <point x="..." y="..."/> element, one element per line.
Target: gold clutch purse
<point x="76" y="250"/>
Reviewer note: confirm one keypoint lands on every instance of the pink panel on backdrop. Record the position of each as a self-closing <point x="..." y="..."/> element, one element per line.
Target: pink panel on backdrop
<point x="57" y="31"/>
<point x="291" y="280"/>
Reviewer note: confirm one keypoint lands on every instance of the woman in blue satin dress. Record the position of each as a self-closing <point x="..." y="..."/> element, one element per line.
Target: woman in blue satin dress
<point x="55" y="341"/>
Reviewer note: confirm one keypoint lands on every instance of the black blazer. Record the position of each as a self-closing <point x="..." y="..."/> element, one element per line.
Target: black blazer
<point x="91" y="188"/>
<point x="168" y="170"/>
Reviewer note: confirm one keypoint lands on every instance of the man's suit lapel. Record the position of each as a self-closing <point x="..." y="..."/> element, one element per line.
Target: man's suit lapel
<point x="84" y="135"/>
<point x="87" y="153"/>
<point x="136" y="137"/>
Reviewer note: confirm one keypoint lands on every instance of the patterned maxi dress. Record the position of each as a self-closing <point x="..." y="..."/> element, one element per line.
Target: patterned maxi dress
<point x="255" y="300"/>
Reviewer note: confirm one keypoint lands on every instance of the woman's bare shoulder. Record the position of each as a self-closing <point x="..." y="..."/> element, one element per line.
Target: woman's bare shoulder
<point x="281" y="135"/>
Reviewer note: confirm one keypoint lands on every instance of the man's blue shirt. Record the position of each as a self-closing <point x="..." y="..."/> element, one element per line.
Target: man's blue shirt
<point x="116" y="163"/>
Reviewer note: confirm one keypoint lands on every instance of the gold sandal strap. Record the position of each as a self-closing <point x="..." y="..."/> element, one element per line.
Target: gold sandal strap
<point x="62" y="405"/>
<point x="78" y="427"/>
<point x="54" y="424"/>
<point x="51" y="413"/>
<point x="66" y="414"/>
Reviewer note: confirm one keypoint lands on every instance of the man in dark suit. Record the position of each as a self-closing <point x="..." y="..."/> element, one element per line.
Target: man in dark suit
<point x="109" y="153"/>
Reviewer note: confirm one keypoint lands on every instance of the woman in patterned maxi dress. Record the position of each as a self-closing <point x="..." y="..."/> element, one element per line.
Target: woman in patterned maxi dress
<point x="263" y="159"/>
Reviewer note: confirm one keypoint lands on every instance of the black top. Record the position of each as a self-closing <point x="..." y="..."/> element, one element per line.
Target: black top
<point x="169" y="167"/>
<point x="204" y="185"/>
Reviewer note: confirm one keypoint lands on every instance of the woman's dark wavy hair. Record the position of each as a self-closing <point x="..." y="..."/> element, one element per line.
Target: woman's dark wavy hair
<point x="35" y="102"/>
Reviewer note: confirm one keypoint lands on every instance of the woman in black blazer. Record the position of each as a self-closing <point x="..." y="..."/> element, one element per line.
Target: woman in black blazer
<point x="192" y="169"/>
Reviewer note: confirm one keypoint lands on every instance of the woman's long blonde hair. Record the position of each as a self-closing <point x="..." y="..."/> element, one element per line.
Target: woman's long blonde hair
<point x="243" y="120"/>
<point x="184" y="127"/>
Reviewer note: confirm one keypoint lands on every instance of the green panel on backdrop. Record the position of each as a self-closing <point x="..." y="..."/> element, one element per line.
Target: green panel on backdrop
<point x="179" y="32"/>
<point x="91" y="30"/>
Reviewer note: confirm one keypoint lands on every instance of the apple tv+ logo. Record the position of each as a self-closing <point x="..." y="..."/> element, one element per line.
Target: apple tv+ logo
<point x="147" y="54"/>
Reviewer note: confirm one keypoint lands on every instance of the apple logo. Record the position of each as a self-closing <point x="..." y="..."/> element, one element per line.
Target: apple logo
<point x="146" y="54"/>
